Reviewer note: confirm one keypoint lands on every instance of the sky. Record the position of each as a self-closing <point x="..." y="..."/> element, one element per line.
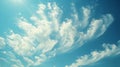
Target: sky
<point x="59" y="33"/>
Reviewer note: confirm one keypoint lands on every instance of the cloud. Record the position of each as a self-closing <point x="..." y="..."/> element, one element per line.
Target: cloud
<point x="98" y="26"/>
<point x="21" y="45"/>
<point x="95" y="56"/>
<point x="2" y="42"/>
<point x="89" y="28"/>
<point x="11" y="59"/>
<point x="47" y="36"/>
<point x="67" y="34"/>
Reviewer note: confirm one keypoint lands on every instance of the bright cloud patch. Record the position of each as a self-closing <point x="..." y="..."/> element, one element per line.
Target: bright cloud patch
<point x="17" y="2"/>
<point x="46" y="36"/>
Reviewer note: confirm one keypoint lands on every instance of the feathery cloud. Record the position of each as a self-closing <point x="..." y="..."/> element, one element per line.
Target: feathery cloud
<point x="46" y="36"/>
<point x="95" y="56"/>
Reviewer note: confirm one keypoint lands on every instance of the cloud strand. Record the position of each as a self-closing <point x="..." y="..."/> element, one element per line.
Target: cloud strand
<point x="95" y="56"/>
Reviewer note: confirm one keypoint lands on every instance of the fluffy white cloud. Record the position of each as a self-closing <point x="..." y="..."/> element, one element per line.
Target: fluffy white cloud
<point x="109" y="50"/>
<point x="21" y="45"/>
<point x="47" y="35"/>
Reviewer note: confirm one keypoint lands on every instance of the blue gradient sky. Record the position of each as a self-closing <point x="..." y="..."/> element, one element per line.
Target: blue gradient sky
<point x="59" y="39"/>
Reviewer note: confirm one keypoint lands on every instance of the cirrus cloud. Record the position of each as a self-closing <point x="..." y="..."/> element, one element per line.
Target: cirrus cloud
<point x="46" y="36"/>
<point x="95" y="56"/>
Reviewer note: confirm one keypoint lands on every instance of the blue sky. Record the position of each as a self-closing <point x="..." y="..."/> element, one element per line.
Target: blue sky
<point x="52" y="33"/>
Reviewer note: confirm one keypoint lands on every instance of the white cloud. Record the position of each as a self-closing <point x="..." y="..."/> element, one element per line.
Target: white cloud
<point x="36" y="38"/>
<point x="2" y="42"/>
<point x="48" y="36"/>
<point x="67" y="35"/>
<point x="86" y="15"/>
<point x="21" y="45"/>
<point x="47" y="45"/>
<point x="11" y="59"/>
<point x="95" y="29"/>
<point x="95" y="56"/>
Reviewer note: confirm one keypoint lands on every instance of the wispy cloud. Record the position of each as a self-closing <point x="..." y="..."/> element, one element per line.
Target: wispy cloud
<point x="46" y="36"/>
<point x="10" y="59"/>
<point x="95" y="56"/>
<point x="2" y="42"/>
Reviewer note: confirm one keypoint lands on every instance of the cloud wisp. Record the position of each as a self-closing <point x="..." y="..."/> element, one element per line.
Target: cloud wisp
<point x="2" y="42"/>
<point x="95" y="56"/>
